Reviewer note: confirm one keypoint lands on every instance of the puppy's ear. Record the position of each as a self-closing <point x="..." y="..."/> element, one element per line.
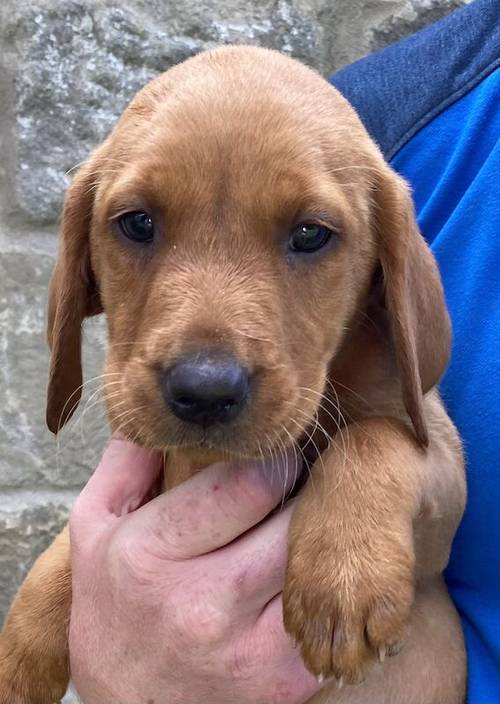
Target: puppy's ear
<point x="73" y="295"/>
<point x="414" y="298"/>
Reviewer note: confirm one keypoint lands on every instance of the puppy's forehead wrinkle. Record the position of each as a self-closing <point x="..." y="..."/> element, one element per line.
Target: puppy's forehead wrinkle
<point x="232" y="149"/>
<point x="217" y="298"/>
<point x="218" y="281"/>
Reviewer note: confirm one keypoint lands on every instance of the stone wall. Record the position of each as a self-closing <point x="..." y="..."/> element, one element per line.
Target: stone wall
<point x="68" y="68"/>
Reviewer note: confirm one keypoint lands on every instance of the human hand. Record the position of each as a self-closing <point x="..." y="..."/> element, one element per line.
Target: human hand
<point x="179" y="601"/>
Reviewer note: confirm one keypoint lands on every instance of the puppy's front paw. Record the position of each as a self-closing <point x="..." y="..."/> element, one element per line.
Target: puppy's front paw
<point x="346" y="602"/>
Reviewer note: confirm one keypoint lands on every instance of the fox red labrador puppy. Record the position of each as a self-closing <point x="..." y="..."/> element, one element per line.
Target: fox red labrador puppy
<point x="266" y="286"/>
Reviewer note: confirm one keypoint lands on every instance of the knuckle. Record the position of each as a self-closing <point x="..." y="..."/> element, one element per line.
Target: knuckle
<point x="77" y="513"/>
<point x="206" y="624"/>
<point x="130" y="562"/>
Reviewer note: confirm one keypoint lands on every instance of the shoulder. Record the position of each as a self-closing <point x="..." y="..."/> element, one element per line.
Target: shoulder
<point x="398" y="90"/>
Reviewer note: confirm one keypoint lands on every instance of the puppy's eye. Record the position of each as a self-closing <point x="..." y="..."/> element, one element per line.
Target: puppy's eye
<point x="137" y="226"/>
<point x="309" y="237"/>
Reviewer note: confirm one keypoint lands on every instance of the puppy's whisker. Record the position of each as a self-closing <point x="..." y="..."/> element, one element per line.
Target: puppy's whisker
<point x="337" y="410"/>
<point x="74" y="168"/>
<point x="127" y="411"/>
<point x="343" y="419"/>
<point x="80" y="388"/>
<point x="92" y="401"/>
<point x="123" y="426"/>
<point x="335" y="419"/>
<point x="78" y="423"/>
<point x="272" y="453"/>
<point x="253" y="337"/>
<point x="321" y="396"/>
<point x="284" y="453"/>
<point x="336" y="416"/>
<point x="296" y="448"/>
<point x="323" y="409"/>
<point x="343" y="451"/>
<point x="343" y="432"/>
<point x="260" y="452"/>
<point x="95" y="404"/>
<point x="364" y="400"/>
<point x="306" y="433"/>
<point x="346" y="439"/>
<point x="89" y="406"/>
<point x="332" y="441"/>
<point x="351" y="420"/>
<point x="318" y="426"/>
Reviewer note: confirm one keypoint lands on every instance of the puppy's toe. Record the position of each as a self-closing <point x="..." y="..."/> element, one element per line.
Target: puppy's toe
<point x="386" y="624"/>
<point x="352" y="655"/>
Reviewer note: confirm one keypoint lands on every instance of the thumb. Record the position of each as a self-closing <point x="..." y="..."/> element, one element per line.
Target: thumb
<point x="125" y="478"/>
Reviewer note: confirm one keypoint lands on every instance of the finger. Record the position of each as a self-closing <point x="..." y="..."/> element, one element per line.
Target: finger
<point x="290" y="676"/>
<point x="253" y="567"/>
<point x="213" y="508"/>
<point x="123" y="480"/>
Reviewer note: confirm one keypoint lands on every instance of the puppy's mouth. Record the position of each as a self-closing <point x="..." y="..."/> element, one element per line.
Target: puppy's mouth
<point x="224" y="441"/>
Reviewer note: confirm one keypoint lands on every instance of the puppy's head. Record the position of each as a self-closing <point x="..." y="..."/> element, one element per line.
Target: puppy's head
<point x="231" y="228"/>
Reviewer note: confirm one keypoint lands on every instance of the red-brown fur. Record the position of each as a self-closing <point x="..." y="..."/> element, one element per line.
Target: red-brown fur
<point x="228" y="151"/>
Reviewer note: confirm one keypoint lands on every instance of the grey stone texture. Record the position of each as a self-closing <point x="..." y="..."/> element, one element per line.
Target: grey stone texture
<point x="67" y="69"/>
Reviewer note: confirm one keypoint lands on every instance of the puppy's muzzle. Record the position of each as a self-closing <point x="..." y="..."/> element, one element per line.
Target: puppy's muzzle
<point x="206" y="388"/>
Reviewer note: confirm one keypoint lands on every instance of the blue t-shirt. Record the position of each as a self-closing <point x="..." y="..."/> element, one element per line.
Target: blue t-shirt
<point x="432" y="102"/>
<point x="453" y="165"/>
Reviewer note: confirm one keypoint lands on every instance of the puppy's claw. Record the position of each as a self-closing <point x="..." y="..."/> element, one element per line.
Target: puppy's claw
<point x="381" y="653"/>
<point x="340" y="683"/>
<point x="320" y="678"/>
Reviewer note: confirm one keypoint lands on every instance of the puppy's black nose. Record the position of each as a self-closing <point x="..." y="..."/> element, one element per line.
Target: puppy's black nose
<point x="206" y="389"/>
